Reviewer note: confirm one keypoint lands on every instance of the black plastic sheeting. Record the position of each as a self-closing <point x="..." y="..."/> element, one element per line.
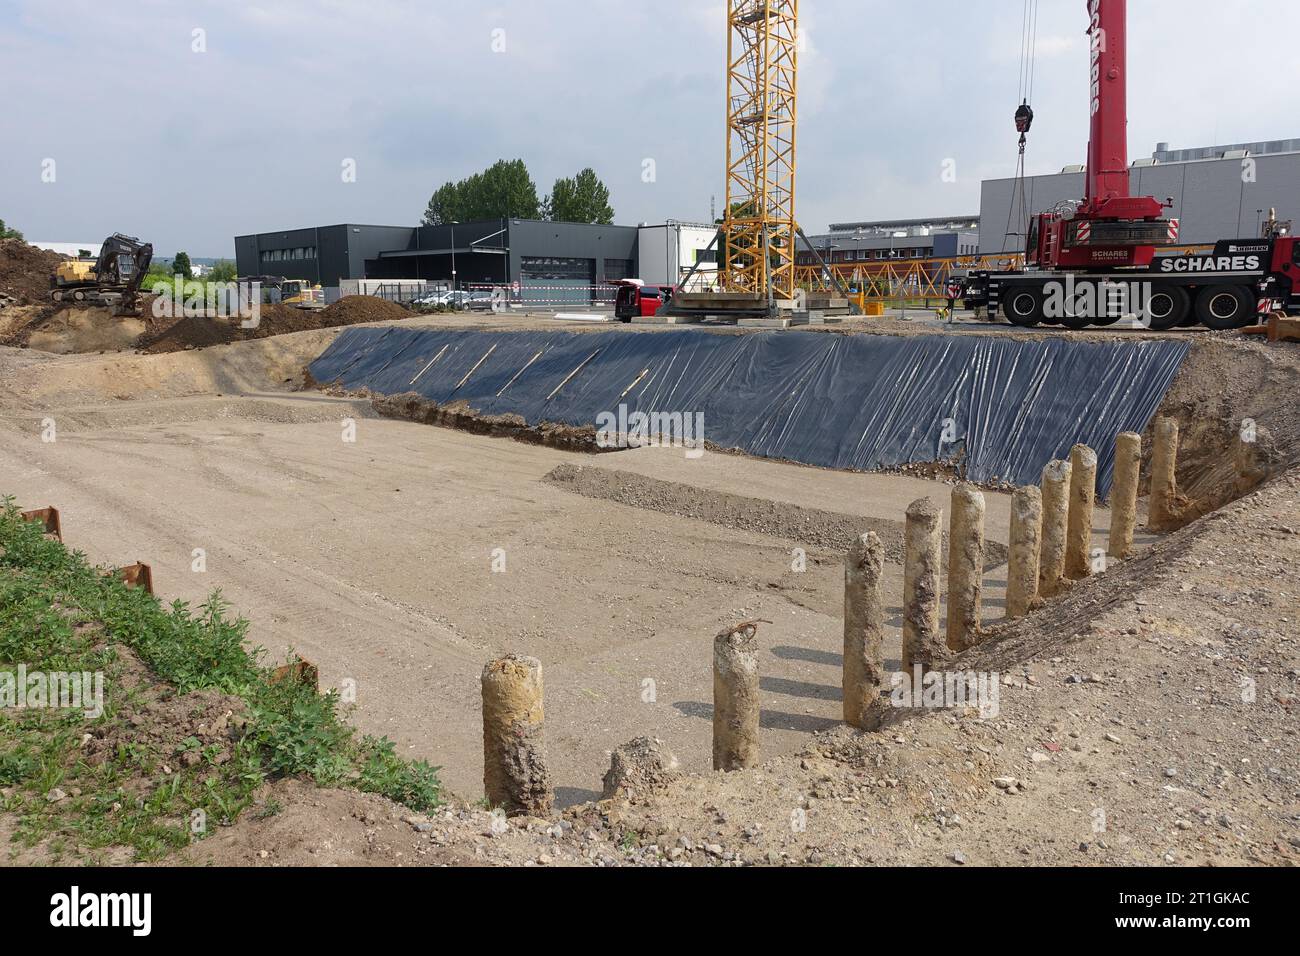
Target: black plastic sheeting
<point x="858" y="402"/>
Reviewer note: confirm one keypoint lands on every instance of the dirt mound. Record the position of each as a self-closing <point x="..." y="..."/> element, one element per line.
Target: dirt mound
<point x="1227" y="384"/>
<point x="78" y="330"/>
<point x="71" y="328"/>
<point x="356" y="309"/>
<point x="193" y="332"/>
<point x="413" y="407"/>
<point x="823" y="529"/>
<point x="25" y="271"/>
<point x="640" y="767"/>
<point x="196" y="332"/>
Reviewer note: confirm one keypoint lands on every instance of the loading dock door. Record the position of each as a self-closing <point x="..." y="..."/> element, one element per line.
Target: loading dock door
<point x="555" y="281"/>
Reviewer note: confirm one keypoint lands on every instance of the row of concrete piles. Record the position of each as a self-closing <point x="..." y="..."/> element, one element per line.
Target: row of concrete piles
<point x="1050" y="547"/>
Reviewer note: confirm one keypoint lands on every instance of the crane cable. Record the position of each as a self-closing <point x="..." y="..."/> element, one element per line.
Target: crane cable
<point x="1024" y="118"/>
<point x="1028" y="50"/>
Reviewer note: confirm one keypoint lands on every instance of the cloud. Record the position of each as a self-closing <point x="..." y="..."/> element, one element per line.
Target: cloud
<point x="190" y="149"/>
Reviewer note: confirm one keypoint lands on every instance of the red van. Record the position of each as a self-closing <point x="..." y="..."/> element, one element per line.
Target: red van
<point x="635" y="299"/>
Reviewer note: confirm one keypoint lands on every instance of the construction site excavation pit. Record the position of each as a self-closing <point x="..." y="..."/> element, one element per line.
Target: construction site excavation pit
<point x="398" y="558"/>
<point x="375" y="561"/>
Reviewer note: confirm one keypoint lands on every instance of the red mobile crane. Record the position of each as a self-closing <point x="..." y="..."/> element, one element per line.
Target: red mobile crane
<point x="1093" y="262"/>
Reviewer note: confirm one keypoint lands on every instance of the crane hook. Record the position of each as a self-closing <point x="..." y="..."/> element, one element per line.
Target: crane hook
<point x="1024" y="120"/>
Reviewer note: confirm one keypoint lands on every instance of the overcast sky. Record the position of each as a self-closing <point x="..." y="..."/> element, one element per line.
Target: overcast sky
<point x="189" y="149"/>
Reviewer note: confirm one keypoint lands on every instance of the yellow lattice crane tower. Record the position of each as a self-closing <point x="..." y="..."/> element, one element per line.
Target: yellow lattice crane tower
<point x="756" y="262"/>
<point x="759" y="225"/>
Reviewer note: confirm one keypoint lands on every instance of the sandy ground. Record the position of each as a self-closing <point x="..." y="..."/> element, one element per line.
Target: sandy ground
<point x="375" y="560"/>
<point x="1145" y="719"/>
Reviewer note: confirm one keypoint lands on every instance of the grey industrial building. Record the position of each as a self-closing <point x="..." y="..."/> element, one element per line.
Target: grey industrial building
<point x="490" y="252"/>
<point x="1221" y="192"/>
<point x="1218" y="192"/>
<point x="884" y="240"/>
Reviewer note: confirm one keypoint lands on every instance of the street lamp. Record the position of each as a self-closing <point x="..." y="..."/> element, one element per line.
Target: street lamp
<point x="453" y="255"/>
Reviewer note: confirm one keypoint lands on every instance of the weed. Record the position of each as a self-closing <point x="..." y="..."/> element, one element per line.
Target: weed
<point x="58" y="613"/>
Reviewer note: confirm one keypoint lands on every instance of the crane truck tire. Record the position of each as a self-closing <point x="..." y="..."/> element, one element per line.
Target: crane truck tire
<point x="1025" y="307"/>
<point x="1075" y="318"/>
<point x="1168" y="307"/>
<point x="1222" y="307"/>
<point x="1076" y="323"/>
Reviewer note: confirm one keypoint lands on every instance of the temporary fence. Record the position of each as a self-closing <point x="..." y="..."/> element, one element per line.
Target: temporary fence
<point x="556" y="294"/>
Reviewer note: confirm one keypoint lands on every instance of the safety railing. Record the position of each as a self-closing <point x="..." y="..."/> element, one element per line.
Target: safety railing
<point x="918" y="280"/>
<point x="907" y="279"/>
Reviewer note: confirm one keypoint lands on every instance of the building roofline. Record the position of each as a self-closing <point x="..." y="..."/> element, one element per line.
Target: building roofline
<point x="1175" y="162"/>
<point x="881" y="223"/>
<point x="468" y="222"/>
<point x="332" y="225"/>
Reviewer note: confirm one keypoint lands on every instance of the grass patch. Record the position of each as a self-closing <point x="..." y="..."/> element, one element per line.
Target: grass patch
<point x="60" y="614"/>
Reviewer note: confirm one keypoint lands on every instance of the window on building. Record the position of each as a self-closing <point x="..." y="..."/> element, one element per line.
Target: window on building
<point x="546" y="267"/>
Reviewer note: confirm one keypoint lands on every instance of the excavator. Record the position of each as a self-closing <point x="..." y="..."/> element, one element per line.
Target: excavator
<point x="112" y="279"/>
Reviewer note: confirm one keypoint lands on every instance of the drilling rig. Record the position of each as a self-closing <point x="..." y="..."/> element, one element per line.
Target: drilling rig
<point x="1096" y="261"/>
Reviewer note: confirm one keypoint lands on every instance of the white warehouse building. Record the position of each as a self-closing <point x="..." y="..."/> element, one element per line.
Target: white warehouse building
<point x="665" y="254"/>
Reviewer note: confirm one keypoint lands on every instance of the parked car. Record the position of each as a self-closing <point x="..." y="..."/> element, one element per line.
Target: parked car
<point x="443" y="297"/>
<point x="457" y="299"/>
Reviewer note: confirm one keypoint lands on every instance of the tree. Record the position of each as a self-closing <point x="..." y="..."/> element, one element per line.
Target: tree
<point x="445" y="206"/>
<point x="181" y="265"/>
<point x="7" y="233"/>
<point x="223" y="270"/>
<point x="584" y="198"/>
<point x="502" y="191"/>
